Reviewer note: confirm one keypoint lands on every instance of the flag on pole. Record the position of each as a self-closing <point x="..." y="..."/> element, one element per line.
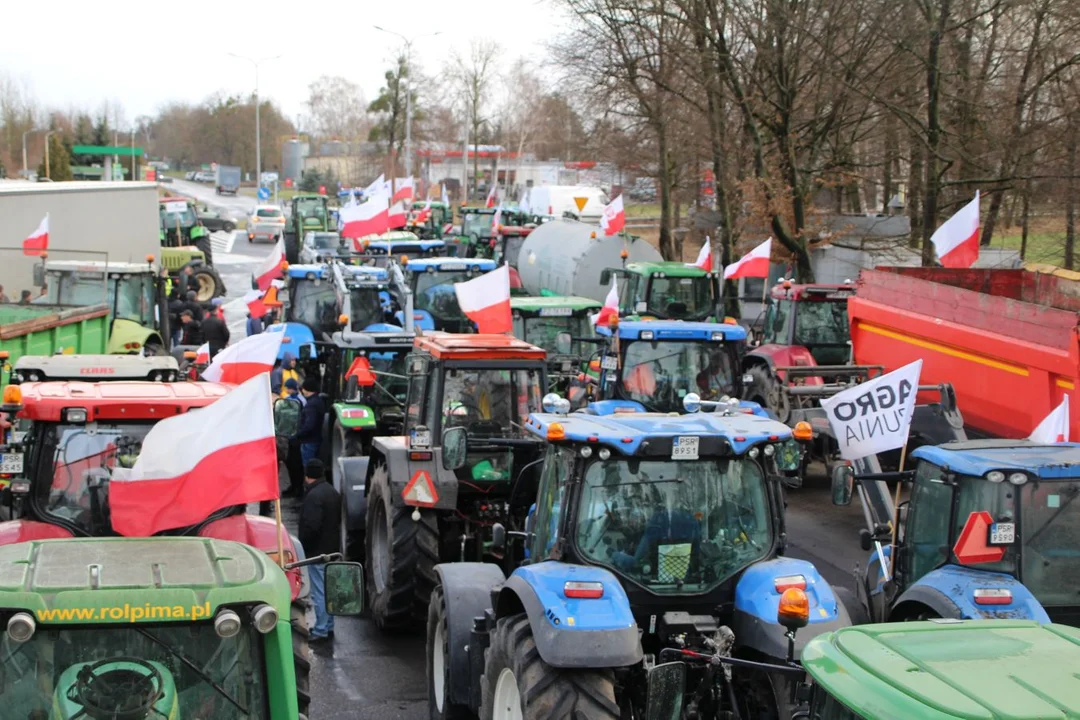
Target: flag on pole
<point x="251" y="356"/>
<point x="367" y="218"/>
<point x="753" y="264"/>
<point x="1054" y="428"/>
<point x="493" y="195"/>
<point x="614" y="218"/>
<point x="704" y="257"/>
<point x="424" y="215"/>
<point x="403" y="191"/>
<point x="496" y="219"/>
<point x="376" y="186"/>
<point x="225" y="463"/>
<point x="445" y="198"/>
<point x="397" y="216"/>
<point x="611" y="306"/>
<point x="38" y="242"/>
<point x="254" y="302"/>
<point x="486" y="300"/>
<point x="202" y="355"/>
<point x="874" y="416"/>
<point x="956" y="242"/>
<point x="270" y="268"/>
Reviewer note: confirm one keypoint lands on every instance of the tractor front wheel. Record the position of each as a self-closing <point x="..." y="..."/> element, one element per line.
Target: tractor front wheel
<point x="345" y="444"/>
<point x="438" y="662"/>
<point x="301" y="656"/>
<point x="517" y="683"/>
<point x="767" y="391"/>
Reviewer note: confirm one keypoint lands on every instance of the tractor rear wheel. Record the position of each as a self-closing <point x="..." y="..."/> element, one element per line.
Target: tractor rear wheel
<point x="292" y="248"/>
<point x="438" y="662"/>
<point x="345" y="444"/>
<point x="207" y="283"/>
<point x="767" y="391"/>
<point x="393" y="556"/>
<point x="517" y="683"/>
<point x="301" y="656"/>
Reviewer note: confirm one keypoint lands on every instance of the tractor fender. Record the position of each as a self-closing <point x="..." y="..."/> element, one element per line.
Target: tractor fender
<point x="757" y="602"/>
<point x="402" y="471"/>
<point x="467" y="590"/>
<point x="571" y="633"/>
<point x="949" y="591"/>
<point x="354" y="474"/>
<point x="125" y="332"/>
<point x="351" y="417"/>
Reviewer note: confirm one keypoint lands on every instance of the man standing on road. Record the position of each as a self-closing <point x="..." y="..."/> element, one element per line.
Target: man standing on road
<point x="190" y="329"/>
<point x="311" y="421"/>
<point x="319" y="529"/>
<point x="216" y="333"/>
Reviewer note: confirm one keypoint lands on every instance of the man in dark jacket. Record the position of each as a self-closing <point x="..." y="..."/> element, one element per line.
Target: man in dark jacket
<point x="311" y="421"/>
<point x="320" y="518"/>
<point x="216" y="333"/>
<point x="191" y="304"/>
<point x="190" y="330"/>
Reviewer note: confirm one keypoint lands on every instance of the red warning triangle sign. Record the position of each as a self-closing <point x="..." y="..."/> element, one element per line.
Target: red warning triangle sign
<point x="420" y="491"/>
<point x="973" y="546"/>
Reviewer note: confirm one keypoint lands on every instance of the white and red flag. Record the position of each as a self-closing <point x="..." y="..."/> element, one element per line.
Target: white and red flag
<point x="753" y="264"/>
<point x="614" y="218"/>
<point x="611" y="306"/>
<point x="251" y="356"/>
<point x="445" y="198"/>
<point x="254" y="302"/>
<point x="367" y="218"/>
<point x="38" y="241"/>
<point x="493" y="196"/>
<point x="202" y="355"/>
<point x="270" y="268"/>
<point x="403" y="190"/>
<point x="1055" y="427"/>
<point x="496" y="219"/>
<point x="704" y="256"/>
<point x="376" y="186"/>
<point x="225" y="463"/>
<point x="397" y="216"/>
<point x="486" y="300"/>
<point x="424" y="215"/>
<point x="956" y="242"/>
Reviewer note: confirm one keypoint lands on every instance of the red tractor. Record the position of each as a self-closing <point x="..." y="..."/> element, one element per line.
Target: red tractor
<point x="76" y="433"/>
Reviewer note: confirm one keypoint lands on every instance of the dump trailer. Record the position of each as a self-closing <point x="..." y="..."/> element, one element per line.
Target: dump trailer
<point x="1008" y="340"/>
<point x="48" y="329"/>
<point x="567" y="257"/>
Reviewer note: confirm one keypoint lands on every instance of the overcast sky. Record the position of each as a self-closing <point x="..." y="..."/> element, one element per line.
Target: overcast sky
<point x="145" y="54"/>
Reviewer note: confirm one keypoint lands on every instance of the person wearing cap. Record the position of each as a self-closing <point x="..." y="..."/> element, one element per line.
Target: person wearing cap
<point x="215" y="333"/>
<point x="319" y="529"/>
<point x="309" y="436"/>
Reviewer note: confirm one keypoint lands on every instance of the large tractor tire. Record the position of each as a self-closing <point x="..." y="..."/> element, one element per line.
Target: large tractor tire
<point x="292" y="248"/>
<point x="301" y="656"/>
<point x="206" y="247"/>
<point x="767" y="391"/>
<point x="517" y="683"/>
<point x="208" y="284"/>
<point x="344" y="444"/>
<point x="438" y="663"/>
<point x="395" y="578"/>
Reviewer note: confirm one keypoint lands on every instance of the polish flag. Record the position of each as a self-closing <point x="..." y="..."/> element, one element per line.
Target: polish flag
<point x="493" y="195"/>
<point x="397" y="216"/>
<point x="254" y="302"/>
<point x="226" y="463"/>
<point x="424" y="215"/>
<point x="202" y="355"/>
<point x="956" y="242"/>
<point x="270" y="268"/>
<point x="404" y="190"/>
<point x="496" y="219"/>
<point x="486" y="300"/>
<point x="38" y="242"/>
<point x="367" y="218"/>
<point x="611" y="306"/>
<point x="753" y="264"/>
<point x="376" y="186"/>
<point x="614" y="218"/>
<point x="704" y="257"/>
<point x="251" y="356"/>
<point x="1055" y="427"/>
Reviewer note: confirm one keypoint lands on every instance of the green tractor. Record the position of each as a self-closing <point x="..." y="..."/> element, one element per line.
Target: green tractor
<point x="479" y="237"/>
<point x="185" y="241"/>
<point x="309" y="212"/>
<point x="562" y="327"/>
<point x="162" y="627"/>
<point x="434" y="226"/>
<point x="665" y="291"/>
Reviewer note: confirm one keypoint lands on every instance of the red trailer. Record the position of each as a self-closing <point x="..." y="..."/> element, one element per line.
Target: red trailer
<point x="1007" y="340"/>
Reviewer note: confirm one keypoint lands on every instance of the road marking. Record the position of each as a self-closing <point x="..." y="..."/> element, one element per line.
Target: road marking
<point x="945" y="350"/>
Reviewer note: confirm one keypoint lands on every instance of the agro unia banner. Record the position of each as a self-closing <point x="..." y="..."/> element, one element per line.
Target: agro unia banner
<point x="874" y="416"/>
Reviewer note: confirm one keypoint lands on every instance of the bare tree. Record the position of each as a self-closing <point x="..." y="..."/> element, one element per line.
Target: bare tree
<point x="337" y="108"/>
<point x="475" y="74"/>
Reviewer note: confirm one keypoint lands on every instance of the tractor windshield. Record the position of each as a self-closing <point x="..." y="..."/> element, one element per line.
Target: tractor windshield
<point x="659" y="374"/>
<point x="478" y="224"/>
<point x="821" y="326"/>
<point x="135" y="298"/>
<point x="1051" y="523"/>
<point x="74" y="487"/>
<point x="185" y="219"/>
<point x="541" y="331"/>
<point x="674" y="526"/>
<point x="79" y="288"/>
<point x="365" y="307"/>
<point x="313" y="303"/>
<point x="121" y="670"/>
<point x="311" y="208"/>
<point x="434" y="292"/>
<point x="391" y="386"/>
<point x="490" y="402"/>
<point x="680" y="298"/>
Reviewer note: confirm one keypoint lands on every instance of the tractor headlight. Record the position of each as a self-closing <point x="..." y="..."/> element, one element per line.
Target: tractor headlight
<point x="586" y="452"/>
<point x="21" y="627"/>
<point x="753" y="453"/>
<point x="226" y="624"/>
<point x="769" y="451"/>
<point x="604" y="454"/>
<point x="265" y="618"/>
<point x="995" y="476"/>
<point x="1017" y="478"/>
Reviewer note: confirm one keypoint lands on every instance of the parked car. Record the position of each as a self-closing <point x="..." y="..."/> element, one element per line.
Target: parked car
<point x="190" y="174"/>
<point x="266" y="222"/>
<point x="205" y="177"/>
<point x="216" y="220"/>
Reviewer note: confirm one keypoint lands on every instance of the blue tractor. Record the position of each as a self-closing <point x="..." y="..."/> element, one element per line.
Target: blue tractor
<point x="654" y="538"/>
<point x="991" y="530"/>
<point x="432" y="280"/>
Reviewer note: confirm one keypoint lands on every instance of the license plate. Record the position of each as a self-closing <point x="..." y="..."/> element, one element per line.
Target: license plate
<point x="610" y="362"/>
<point x="11" y="463"/>
<point x="685" y="448"/>
<point x="1002" y="533"/>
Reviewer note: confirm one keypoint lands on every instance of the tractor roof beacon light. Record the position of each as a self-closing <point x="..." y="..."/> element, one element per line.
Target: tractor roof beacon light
<point x="264" y="618"/>
<point x="803" y="431"/>
<point x="21" y="627"/>
<point x="12" y="399"/>
<point x="227" y="623"/>
<point x="556" y="431"/>
<point x="794" y="610"/>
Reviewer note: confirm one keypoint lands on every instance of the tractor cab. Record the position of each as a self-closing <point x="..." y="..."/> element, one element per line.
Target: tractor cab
<point x="652" y="366"/>
<point x="665" y="291"/>
<point x="991" y="530"/>
<point x="562" y="326"/>
<point x="178" y="222"/>
<point x="396" y="245"/>
<point x="807" y="324"/>
<point x="427" y="219"/>
<point x="432" y="283"/>
<point x="308" y="212"/>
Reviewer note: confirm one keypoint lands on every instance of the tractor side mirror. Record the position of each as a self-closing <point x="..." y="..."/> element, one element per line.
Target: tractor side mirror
<point x="39" y="274"/>
<point x="605" y="277"/>
<point x="305" y="352"/>
<point x="666" y="686"/>
<point x="344" y="588"/>
<point x="455" y="446"/>
<point x="563" y="343"/>
<point x="843" y="480"/>
<point x="498" y="537"/>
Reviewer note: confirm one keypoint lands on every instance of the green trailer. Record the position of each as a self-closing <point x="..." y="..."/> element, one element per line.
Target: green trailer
<point x="164" y="627"/>
<point x="944" y="669"/>
<point x="49" y="329"/>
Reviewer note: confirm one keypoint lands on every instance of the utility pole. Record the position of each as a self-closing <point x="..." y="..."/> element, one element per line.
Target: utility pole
<point x="258" y="123"/>
<point x="48" y="172"/>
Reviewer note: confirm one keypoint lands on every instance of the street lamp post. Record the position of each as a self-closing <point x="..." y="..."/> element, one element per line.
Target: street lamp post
<point x="408" y="92"/>
<point x="25" y="170"/>
<point x="48" y="172"/>
<point x="258" y="124"/>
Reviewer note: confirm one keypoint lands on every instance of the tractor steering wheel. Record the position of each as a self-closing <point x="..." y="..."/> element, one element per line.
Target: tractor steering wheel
<point x="117" y="687"/>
